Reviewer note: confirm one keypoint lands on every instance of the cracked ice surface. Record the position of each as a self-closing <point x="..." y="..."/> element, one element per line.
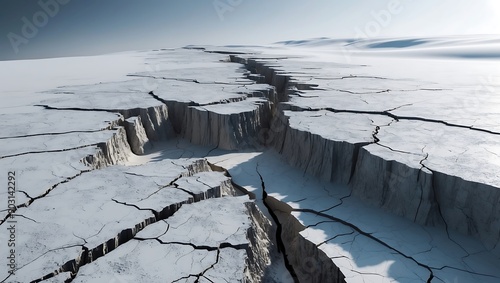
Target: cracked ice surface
<point x="381" y="168"/>
<point x="88" y="201"/>
<point x="360" y="256"/>
<point x="75" y="214"/>
<point x="198" y="238"/>
<point x="102" y="204"/>
<point x="28" y="149"/>
<point x="123" y="95"/>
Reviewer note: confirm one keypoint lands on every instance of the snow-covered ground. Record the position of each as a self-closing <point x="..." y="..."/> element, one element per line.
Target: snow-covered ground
<point x="369" y="160"/>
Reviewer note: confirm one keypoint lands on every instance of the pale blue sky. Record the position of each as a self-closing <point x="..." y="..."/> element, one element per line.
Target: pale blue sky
<point x="101" y="26"/>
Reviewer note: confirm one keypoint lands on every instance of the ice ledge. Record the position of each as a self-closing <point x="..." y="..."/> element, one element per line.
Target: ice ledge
<point x="361" y="149"/>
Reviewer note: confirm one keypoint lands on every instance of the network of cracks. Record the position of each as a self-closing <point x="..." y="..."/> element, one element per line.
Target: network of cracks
<point x="244" y="168"/>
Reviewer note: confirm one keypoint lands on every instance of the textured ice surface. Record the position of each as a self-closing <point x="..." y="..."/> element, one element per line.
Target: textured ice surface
<point x="378" y="163"/>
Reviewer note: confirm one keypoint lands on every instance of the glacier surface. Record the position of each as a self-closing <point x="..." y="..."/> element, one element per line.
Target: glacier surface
<point x="302" y="161"/>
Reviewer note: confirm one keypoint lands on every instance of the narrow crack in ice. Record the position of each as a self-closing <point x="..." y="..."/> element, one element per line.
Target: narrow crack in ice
<point x="31" y="200"/>
<point x="56" y="133"/>
<point x="399" y="118"/>
<point x="187" y="80"/>
<point x="201" y="274"/>
<point x="50" y="151"/>
<point x="279" y="240"/>
<point x="222" y="245"/>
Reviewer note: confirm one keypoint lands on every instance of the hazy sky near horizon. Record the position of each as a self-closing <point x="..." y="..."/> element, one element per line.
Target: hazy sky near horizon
<point x="78" y="27"/>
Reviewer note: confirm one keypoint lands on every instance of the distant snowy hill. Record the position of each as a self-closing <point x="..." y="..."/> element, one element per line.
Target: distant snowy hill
<point x="480" y="46"/>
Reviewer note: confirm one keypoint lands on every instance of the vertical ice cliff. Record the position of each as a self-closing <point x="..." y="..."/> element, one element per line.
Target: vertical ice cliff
<point x="310" y="264"/>
<point x="262" y="250"/>
<point x="227" y="126"/>
<point x="133" y="136"/>
<point x="136" y="135"/>
<point x="155" y="121"/>
<point x="398" y="184"/>
<point x="143" y="120"/>
<point x="114" y="151"/>
<point x="331" y="159"/>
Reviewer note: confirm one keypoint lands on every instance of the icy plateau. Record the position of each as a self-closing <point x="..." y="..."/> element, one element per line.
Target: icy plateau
<point x="300" y="161"/>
